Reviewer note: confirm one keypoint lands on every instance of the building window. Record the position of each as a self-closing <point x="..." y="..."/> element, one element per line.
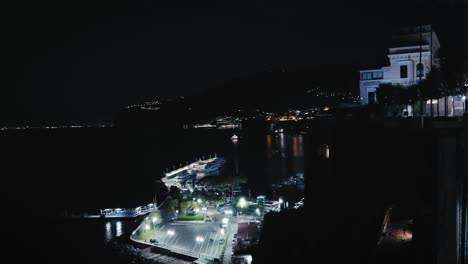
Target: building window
<point x="403" y="71"/>
<point x="366" y="76"/>
<point x="372" y="75"/>
<point x="377" y="75"/>
<point x="420" y="70"/>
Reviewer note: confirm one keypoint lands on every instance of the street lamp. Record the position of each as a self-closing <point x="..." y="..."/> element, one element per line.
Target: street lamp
<point x="242" y="203"/>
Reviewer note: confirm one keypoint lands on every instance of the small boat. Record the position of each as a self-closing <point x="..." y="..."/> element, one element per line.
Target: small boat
<point x="234" y="138"/>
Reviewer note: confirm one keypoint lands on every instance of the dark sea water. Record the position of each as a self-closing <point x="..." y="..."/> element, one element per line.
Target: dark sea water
<point x="48" y="172"/>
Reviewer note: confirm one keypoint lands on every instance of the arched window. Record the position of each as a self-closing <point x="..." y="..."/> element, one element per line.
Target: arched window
<point x="420" y="70"/>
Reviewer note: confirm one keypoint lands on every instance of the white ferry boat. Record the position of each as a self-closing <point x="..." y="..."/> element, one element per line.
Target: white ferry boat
<point x="212" y="168"/>
<point x="185" y="175"/>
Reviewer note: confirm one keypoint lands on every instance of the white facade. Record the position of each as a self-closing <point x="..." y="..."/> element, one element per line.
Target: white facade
<point x="411" y="47"/>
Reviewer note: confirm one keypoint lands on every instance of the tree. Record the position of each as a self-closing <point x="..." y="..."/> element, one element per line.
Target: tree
<point x="432" y="87"/>
<point x="174" y="192"/>
<point x="391" y="96"/>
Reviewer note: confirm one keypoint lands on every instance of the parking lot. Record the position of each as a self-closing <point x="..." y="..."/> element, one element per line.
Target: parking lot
<point x="196" y="239"/>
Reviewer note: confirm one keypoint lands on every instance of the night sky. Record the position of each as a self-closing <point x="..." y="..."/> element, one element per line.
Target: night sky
<point x="76" y="62"/>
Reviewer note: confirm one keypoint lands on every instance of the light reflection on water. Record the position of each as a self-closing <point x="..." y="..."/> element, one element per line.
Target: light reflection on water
<point x="108" y="234"/>
<point x="284" y="156"/>
<point x="118" y="228"/>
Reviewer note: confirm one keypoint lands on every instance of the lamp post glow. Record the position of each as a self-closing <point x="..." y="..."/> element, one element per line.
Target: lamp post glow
<point x="242" y="203"/>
